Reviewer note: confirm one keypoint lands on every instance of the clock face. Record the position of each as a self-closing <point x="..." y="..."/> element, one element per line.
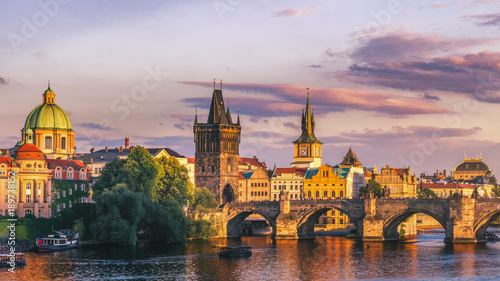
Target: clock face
<point x="303" y="152"/>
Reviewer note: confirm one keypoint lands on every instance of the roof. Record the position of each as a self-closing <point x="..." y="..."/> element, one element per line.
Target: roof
<point x="77" y="165"/>
<point x="190" y="160"/>
<point x="29" y="151"/>
<point x="342" y="172"/>
<point x="8" y="161"/>
<point x="247" y="174"/>
<point x="48" y="115"/>
<point x="472" y="165"/>
<point x="253" y="161"/>
<point x="447" y="185"/>
<point x="103" y="156"/>
<point x="307" y="126"/>
<point x="350" y="159"/>
<point x="297" y="171"/>
<point x="217" y="113"/>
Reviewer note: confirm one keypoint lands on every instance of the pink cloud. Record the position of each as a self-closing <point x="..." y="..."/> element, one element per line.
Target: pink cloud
<point x="295" y="12"/>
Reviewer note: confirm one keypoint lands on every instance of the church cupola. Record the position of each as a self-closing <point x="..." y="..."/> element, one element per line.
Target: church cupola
<point x="49" y="96"/>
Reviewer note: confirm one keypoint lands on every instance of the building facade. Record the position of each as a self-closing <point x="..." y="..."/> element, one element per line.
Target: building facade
<point x="355" y="178"/>
<point x="217" y="151"/>
<point x="287" y="179"/>
<point x="254" y="185"/>
<point x="399" y="181"/>
<point x="307" y="150"/>
<point x="471" y="168"/>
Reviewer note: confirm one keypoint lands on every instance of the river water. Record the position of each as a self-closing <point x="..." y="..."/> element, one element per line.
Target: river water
<point x="421" y="257"/>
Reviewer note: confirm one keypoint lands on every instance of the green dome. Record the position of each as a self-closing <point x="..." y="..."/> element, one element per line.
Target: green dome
<point x="48" y="115"/>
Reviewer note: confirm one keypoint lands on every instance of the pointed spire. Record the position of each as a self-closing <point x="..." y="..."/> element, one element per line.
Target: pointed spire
<point x="228" y="113"/>
<point x="221" y="84"/>
<point x="49" y="84"/>
<point x="196" y="116"/>
<point x="307" y="124"/>
<point x="238" y="122"/>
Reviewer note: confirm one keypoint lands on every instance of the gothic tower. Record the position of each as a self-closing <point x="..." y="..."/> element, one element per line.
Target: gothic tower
<point x="307" y="148"/>
<point x="217" y="151"/>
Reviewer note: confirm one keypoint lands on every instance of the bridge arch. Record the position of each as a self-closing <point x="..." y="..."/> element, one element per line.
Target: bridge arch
<point x="391" y="224"/>
<point x="235" y="222"/>
<point x="305" y="224"/>
<point x="229" y="193"/>
<point x="482" y="224"/>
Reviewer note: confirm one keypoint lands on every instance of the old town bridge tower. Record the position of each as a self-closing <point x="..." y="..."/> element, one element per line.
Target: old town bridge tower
<point x="217" y="151"/>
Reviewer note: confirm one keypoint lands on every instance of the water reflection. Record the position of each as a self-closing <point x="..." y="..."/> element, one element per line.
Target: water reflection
<point x="324" y="258"/>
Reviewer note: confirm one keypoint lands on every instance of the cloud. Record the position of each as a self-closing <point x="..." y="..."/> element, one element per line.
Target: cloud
<point x="485" y="19"/>
<point x="268" y="100"/>
<point x="295" y="12"/>
<point x="3" y="81"/>
<point x="183" y="126"/>
<point x="431" y="97"/>
<point x="315" y="66"/>
<point x="94" y="126"/>
<point x="415" y="62"/>
<point x="291" y="125"/>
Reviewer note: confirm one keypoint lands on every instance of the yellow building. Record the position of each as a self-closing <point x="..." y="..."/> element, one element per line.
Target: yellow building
<point x="254" y="185"/>
<point x="31" y="177"/>
<point x="471" y="168"/>
<point x="48" y="127"/>
<point x="400" y="181"/>
<point x="326" y="182"/>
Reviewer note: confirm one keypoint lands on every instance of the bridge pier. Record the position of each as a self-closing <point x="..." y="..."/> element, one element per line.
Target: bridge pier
<point x="371" y="227"/>
<point x="460" y="225"/>
<point x="286" y="222"/>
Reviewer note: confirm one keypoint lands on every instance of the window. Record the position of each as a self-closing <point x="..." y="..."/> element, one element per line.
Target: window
<point x="76" y="186"/>
<point x="69" y="173"/>
<point x="309" y="194"/>
<point x="333" y="194"/>
<point x="39" y="195"/>
<point x="27" y="212"/>
<point x="64" y="193"/>
<point x="58" y="172"/>
<point x="63" y="143"/>
<point x="317" y="194"/>
<point x="2" y="171"/>
<point x="48" y="142"/>
<point x="341" y="194"/>
<point x="69" y="204"/>
<point x="82" y="174"/>
<point x="251" y="193"/>
<point x="325" y="194"/>
<point x="28" y="192"/>
<point x="70" y="191"/>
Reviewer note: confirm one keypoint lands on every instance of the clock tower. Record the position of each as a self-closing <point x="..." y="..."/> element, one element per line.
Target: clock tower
<point x="307" y="149"/>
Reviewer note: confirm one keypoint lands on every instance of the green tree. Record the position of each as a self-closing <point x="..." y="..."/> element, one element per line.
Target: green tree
<point x="119" y="211"/>
<point x="79" y="227"/>
<point x="204" y="200"/>
<point x="377" y="189"/>
<point x="113" y="173"/>
<point x="174" y="182"/>
<point x="163" y="224"/>
<point x="144" y="170"/>
<point x="426" y="193"/>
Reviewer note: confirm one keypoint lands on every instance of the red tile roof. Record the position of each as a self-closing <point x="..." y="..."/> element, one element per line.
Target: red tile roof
<point x="298" y="171"/>
<point x="7" y="160"/>
<point x="190" y="160"/>
<point x="447" y="185"/>
<point x="249" y="161"/>
<point x="77" y="165"/>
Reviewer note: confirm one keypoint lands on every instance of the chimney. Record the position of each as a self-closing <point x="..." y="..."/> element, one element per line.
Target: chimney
<point x="120" y="149"/>
<point x="127" y="143"/>
<point x="106" y="148"/>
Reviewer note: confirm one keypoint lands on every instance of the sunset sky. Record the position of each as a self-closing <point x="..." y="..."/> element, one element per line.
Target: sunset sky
<point x="401" y="82"/>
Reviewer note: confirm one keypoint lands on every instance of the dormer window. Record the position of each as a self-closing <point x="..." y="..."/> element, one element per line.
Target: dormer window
<point x="82" y="174"/>
<point x="58" y="172"/>
<point x="69" y="174"/>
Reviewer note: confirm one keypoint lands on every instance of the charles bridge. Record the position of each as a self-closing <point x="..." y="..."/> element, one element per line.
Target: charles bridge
<point x="464" y="220"/>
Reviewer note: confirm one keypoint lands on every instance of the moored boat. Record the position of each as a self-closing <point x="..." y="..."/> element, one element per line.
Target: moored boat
<point x="58" y="242"/>
<point x="235" y="251"/>
<point x="6" y="260"/>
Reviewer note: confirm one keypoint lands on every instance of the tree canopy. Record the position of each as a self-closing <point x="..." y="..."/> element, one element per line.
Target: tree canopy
<point x="377" y="189"/>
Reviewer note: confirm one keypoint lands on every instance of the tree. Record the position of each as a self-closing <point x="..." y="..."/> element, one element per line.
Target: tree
<point x="204" y="200"/>
<point x="377" y="189"/>
<point x="496" y="190"/>
<point x="119" y="210"/>
<point x="426" y="193"/>
<point x="174" y="181"/>
<point x="144" y="172"/>
<point x="203" y="222"/>
<point x="79" y="227"/>
<point x="163" y="224"/>
<point x="113" y="173"/>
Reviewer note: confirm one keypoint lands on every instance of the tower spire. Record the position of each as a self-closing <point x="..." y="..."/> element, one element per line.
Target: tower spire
<point x="221" y="84"/>
<point x="214" y="83"/>
<point x="238" y="122"/>
<point x="196" y="116"/>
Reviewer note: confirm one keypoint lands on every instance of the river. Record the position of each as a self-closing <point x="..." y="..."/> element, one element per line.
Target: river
<point x="421" y="257"/>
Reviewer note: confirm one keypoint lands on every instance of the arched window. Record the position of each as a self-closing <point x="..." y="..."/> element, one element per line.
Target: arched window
<point x="28" y="192"/>
<point x="28" y="211"/>
<point x="333" y="194"/>
<point x="48" y="142"/>
<point x="83" y="175"/>
<point x="58" y="172"/>
<point x="325" y="194"/>
<point x="317" y="194"/>
<point x="341" y="194"/>
<point x="39" y="213"/>
<point x="309" y="194"/>
<point x="63" y="143"/>
<point x="69" y="173"/>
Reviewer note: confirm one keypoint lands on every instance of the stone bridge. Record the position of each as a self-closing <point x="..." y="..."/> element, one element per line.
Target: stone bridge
<point x="464" y="219"/>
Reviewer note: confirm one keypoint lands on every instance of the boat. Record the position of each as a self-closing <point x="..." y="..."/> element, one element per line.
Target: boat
<point x="219" y="245"/>
<point x="59" y="241"/>
<point x="6" y="261"/>
<point x="235" y="251"/>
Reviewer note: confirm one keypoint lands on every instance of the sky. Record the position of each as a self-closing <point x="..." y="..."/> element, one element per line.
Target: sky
<point x="404" y="83"/>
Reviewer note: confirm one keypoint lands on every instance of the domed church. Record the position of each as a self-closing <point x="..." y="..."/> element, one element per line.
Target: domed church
<point x="48" y="127"/>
